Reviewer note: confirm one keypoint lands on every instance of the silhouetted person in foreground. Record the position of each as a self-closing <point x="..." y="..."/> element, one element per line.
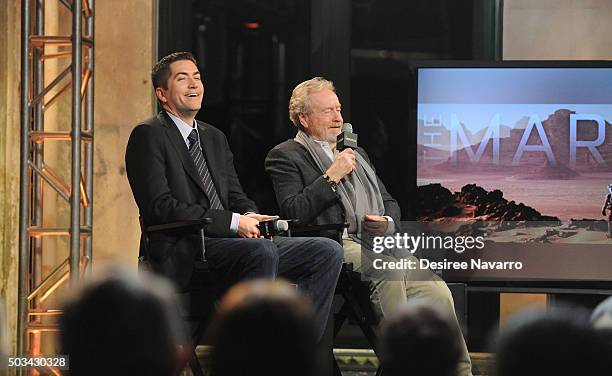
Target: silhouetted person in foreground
<point x="559" y="342"/>
<point x="601" y="319"/>
<point x="120" y="325"/>
<point x="420" y="339"/>
<point x="264" y="328"/>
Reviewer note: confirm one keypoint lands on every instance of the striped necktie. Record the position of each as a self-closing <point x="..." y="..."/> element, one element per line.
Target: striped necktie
<point x="198" y="158"/>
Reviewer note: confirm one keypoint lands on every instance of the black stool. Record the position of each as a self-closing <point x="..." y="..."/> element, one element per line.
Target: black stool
<point x="197" y="302"/>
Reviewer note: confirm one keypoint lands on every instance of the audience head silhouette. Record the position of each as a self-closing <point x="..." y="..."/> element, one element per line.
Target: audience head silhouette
<point x="556" y="342"/>
<point x="420" y="339"/>
<point x="264" y="328"/>
<point x="601" y="319"/>
<point x="122" y="324"/>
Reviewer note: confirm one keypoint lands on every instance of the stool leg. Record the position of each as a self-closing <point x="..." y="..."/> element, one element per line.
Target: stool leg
<point x="336" y="367"/>
<point x="379" y="371"/>
<point x="194" y="364"/>
<point x="338" y="322"/>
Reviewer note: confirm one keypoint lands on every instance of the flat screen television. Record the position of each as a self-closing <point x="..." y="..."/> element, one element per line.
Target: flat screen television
<point x="530" y="140"/>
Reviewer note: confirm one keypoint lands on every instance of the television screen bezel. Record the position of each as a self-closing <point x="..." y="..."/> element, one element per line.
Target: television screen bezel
<point x="566" y="286"/>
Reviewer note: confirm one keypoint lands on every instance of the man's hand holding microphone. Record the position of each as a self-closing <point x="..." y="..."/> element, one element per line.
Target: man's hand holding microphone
<point x="343" y="165"/>
<point x="248" y="226"/>
<point x="254" y="225"/>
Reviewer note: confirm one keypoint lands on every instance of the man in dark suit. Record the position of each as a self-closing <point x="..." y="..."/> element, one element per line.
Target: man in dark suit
<point x="319" y="185"/>
<point x="182" y="169"/>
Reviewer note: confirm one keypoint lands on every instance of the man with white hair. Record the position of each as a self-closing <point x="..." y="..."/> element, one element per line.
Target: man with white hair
<point x="318" y="184"/>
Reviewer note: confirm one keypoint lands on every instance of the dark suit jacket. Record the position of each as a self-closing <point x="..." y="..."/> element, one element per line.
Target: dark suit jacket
<point x="167" y="188"/>
<point x="302" y="193"/>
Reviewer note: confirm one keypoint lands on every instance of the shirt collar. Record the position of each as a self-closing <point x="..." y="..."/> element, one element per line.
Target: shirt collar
<point x="183" y="127"/>
<point x="326" y="148"/>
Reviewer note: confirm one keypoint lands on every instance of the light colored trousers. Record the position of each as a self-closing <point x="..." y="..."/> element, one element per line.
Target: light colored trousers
<point x="388" y="295"/>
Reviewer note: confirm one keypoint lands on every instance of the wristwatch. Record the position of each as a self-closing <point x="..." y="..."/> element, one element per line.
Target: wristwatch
<point x="332" y="184"/>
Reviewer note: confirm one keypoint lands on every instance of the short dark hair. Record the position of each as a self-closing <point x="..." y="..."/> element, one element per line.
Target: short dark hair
<point x="420" y="338"/>
<point x="559" y="341"/>
<point x="128" y="318"/>
<point x="264" y="327"/>
<point x="161" y="70"/>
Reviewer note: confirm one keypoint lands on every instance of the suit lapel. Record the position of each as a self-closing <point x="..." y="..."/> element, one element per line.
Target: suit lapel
<point x="179" y="145"/>
<point x="212" y="156"/>
<point x="306" y="156"/>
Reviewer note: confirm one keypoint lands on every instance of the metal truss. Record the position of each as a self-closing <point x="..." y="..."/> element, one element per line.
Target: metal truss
<point x="35" y="286"/>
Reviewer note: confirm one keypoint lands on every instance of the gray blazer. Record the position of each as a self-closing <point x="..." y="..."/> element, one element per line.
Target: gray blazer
<point x="302" y="193"/>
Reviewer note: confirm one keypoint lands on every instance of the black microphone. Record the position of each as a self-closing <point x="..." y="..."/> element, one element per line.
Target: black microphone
<point x="268" y="229"/>
<point x="346" y="138"/>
